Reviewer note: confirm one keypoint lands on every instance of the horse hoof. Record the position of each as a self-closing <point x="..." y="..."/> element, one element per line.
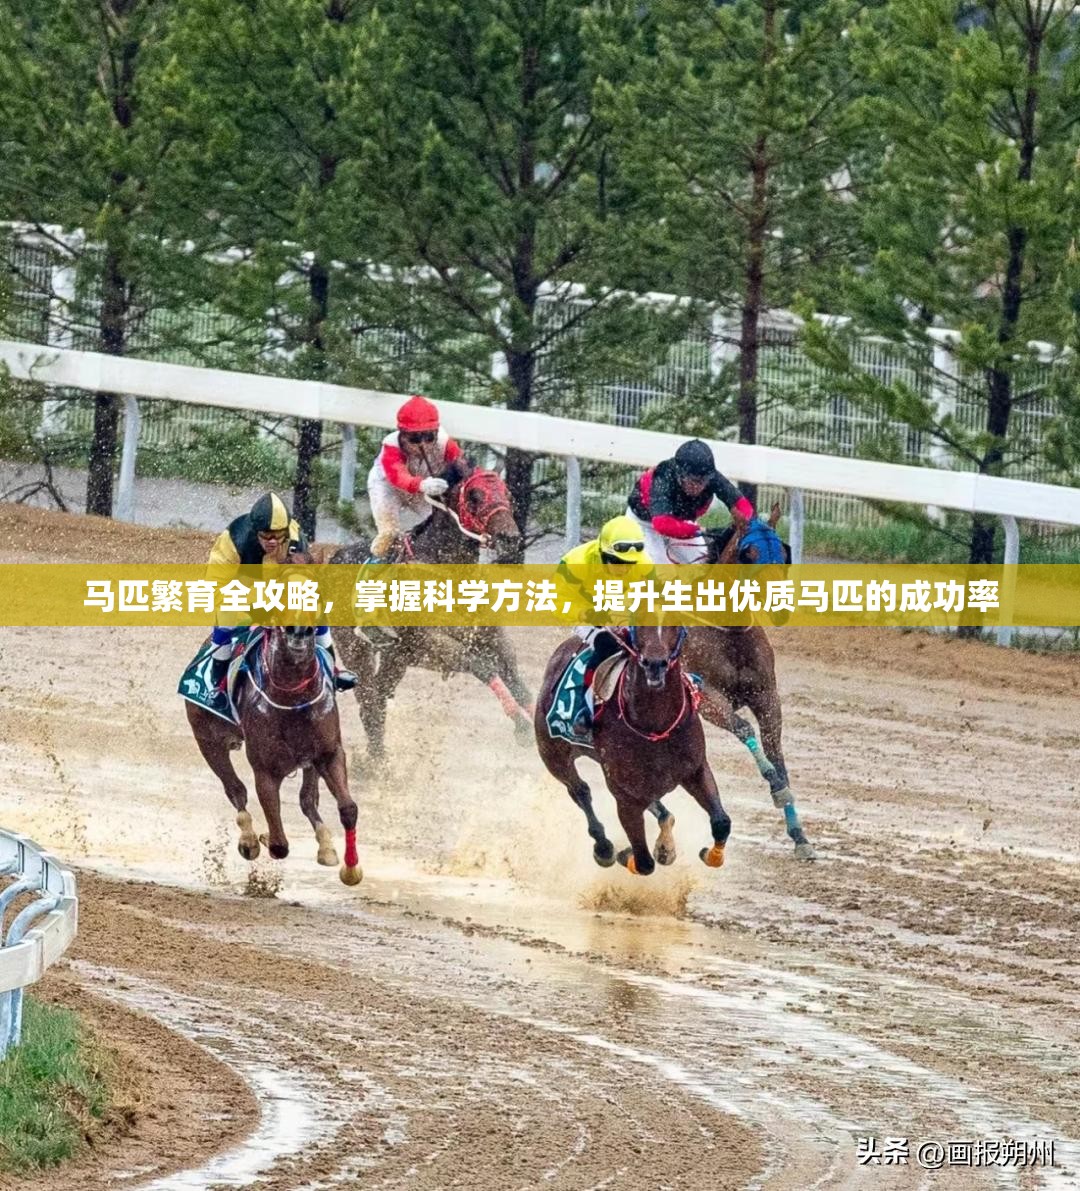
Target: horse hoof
<point x="264" y="839"/>
<point x="328" y="857"/>
<point x="714" y="856"/>
<point x="605" y="857"/>
<point x="279" y="851"/>
<point x="351" y="876"/>
<point x="249" y="849"/>
<point x="805" y="851"/>
<point x="626" y="859"/>
<point x="664" y="855"/>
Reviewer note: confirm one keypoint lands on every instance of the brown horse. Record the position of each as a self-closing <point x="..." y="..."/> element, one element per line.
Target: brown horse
<point x="288" y="721"/>
<point x="475" y="511"/>
<point x="738" y="669"/>
<point x="648" y="739"/>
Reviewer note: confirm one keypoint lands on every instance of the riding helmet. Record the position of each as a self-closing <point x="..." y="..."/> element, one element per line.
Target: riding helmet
<point x="270" y="514"/>
<point x="620" y="531"/>
<point x="418" y="414"/>
<point x="694" y="458"/>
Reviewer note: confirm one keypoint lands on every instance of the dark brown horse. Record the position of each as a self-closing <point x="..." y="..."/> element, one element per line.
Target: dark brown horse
<point x="738" y="669"/>
<point x="288" y="721"/>
<point x="475" y="511"/>
<point x="648" y="739"/>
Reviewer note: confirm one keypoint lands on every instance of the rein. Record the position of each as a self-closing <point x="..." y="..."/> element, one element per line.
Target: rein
<point x="653" y="737"/>
<point x="483" y="537"/>
<point x="316" y="672"/>
<point x="690" y="695"/>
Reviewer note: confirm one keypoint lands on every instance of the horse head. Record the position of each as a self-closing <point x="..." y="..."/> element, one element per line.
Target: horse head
<point x="656" y="650"/>
<point x="481" y="502"/>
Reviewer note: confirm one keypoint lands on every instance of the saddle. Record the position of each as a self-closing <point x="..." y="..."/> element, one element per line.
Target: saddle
<point x="195" y="686"/>
<point x="581" y="693"/>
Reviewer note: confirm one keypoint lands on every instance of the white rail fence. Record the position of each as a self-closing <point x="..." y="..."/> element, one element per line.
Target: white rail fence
<point x="796" y="471"/>
<point x="40" y="933"/>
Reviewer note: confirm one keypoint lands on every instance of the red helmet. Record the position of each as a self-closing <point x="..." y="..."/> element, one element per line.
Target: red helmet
<point x="418" y="414"/>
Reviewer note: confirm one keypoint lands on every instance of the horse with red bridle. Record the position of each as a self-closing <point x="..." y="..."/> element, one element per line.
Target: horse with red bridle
<point x="474" y="512"/>
<point x="288" y="720"/>
<point x="648" y="739"/>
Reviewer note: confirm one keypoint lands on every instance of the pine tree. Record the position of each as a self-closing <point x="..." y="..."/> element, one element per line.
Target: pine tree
<point x="973" y="218"/>
<point x="495" y="181"/>
<point x="741" y="134"/>
<point x="269" y="165"/>
<point x="85" y="142"/>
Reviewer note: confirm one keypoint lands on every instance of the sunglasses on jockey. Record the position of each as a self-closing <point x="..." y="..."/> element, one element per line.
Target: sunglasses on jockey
<point x="623" y="547"/>
<point x="419" y="436"/>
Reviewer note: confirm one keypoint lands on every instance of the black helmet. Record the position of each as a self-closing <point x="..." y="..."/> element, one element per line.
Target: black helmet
<point x="270" y="514"/>
<point x="694" y="458"/>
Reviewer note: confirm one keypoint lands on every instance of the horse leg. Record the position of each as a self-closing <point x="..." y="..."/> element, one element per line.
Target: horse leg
<point x="335" y="773"/>
<point x="770" y="720"/>
<point x="215" y="747"/>
<point x="637" y="858"/>
<point x="309" y="804"/>
<point x="510" y="690"/>
<point x="702" y="787"/>
<point x="268" y="788"/>
<point x="665" y="844"/>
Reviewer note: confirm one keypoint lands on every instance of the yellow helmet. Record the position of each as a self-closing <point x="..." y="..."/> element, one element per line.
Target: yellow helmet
<point x="622" y="538"/>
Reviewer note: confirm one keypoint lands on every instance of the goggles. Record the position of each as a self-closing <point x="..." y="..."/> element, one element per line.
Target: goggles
<point x="626" y="547"/>
<point x="278" y="535"/>
<point x="418" y="436"/>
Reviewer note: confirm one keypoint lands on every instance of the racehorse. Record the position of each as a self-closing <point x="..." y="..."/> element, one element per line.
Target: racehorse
<point x="738" y="669"/>
<point x="648" y="739"/>
<point x="474" y="511"/>
<point x="288" y="721"/>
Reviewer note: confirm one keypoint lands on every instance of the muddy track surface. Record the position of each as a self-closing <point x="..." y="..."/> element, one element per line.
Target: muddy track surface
<point x="489" y="1009"/>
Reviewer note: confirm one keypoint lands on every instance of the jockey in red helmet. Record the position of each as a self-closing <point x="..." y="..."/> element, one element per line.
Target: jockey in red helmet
<point x="409" y="468"/>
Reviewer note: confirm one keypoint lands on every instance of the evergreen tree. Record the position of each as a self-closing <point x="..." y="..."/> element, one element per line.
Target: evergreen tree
<point x="973" y="217"/>
<point x="490" y="169"/>
<point x="85" y="141"/>
<point x="743" y="142"/>
<point x="262" y="90"/>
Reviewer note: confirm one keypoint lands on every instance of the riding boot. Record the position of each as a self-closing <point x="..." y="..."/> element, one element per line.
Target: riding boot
<point x="344" y="680"/>
<point x="219" y="667"/>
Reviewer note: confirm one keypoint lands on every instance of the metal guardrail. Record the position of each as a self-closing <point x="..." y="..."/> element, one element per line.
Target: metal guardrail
<point x="40" y="933"/>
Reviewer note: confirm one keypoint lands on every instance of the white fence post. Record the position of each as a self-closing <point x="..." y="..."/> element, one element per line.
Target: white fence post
<point x="943" y="387"/>
<point x="797" y="518"/>
<point x="125" y="492"/>
<point x="347" y="479"/>
<point x="573" y="502"/>
<point x="1012" y="557"/>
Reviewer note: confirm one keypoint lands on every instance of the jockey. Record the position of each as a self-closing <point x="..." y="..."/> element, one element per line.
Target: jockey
<point x="265" y="537"/>
<point x="410" y="467"/>
<point x="621" y="544"/>
<point x="668" y="500"/>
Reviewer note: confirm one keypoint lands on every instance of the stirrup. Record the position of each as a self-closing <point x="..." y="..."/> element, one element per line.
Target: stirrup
<point x="345" y="680"/>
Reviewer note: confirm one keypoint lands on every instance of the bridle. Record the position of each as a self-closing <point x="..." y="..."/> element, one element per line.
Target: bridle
<point x="469" y="524"/>
<point x="691" y="696"/>
<point x="262" y="669"/>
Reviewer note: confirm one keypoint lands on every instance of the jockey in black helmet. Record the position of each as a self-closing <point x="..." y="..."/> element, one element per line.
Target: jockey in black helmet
<point x="668" y="501"/>
<point x="265" y="536"/>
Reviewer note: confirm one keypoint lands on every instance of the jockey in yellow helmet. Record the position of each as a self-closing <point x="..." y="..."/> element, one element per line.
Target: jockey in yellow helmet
<point x="619" y="545"/>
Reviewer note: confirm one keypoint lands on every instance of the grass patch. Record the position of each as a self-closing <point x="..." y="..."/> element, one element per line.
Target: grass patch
<point x="901" y="542"/>
<point x="53" y="1090"/>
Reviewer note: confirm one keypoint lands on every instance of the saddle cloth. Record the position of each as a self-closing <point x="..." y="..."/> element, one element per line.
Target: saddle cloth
<point x="195" y="684"/>
<point x="582" y="689"/>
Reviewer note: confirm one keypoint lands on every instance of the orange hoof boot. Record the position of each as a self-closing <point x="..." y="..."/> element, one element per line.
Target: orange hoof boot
<point x="714" y="856"/>
<point x="626" y="859"/>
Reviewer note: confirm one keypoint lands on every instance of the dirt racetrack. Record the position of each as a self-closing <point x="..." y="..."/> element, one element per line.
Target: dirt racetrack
<point x="490" y="1010"/>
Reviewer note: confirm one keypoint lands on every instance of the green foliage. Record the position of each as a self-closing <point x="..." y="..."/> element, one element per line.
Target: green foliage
<point x="49" y="1086"/>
